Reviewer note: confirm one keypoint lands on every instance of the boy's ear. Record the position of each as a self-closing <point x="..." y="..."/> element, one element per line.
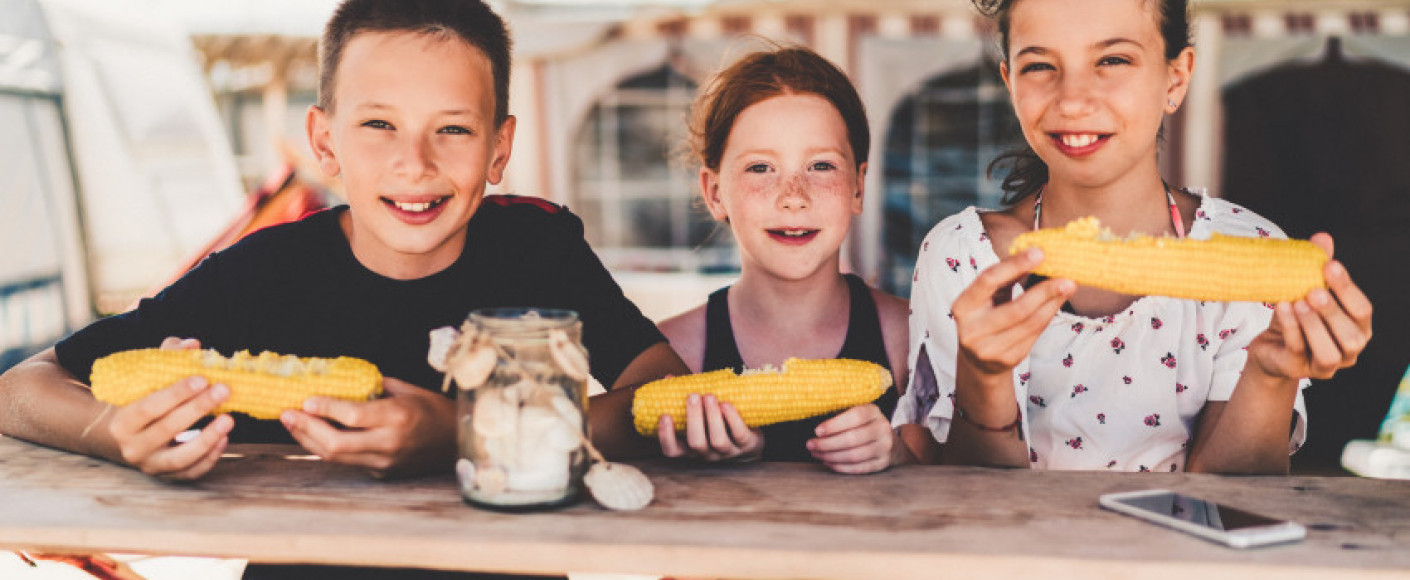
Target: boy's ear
<point x="710" y="191"/>
<point x="503" y="145"/>
<point x="316" y="124"/>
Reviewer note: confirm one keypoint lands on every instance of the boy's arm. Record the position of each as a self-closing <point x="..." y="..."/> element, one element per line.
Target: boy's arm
<point x="610" y="414"/>
<point x="41" y="402"/>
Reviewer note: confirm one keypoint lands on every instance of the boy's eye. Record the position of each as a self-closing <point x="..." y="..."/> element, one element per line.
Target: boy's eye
<point x="756" y="168"/>
<point x="822" y="166"/>
<point x="377" y="124"/>
<point x="456" y="130"/>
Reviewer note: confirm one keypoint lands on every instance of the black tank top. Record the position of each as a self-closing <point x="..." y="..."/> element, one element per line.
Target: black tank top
<point x="786" y="441"/>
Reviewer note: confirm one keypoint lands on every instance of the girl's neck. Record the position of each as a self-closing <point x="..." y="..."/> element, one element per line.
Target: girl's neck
<point x="790" y="308"/>
<point x="1132" y="205"/>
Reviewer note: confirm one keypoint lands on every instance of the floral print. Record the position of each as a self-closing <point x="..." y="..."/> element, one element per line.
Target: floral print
<point x="1117" y="392"/>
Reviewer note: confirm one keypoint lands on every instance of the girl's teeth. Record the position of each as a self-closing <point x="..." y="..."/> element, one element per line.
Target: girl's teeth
<point x="1078" y="140"/>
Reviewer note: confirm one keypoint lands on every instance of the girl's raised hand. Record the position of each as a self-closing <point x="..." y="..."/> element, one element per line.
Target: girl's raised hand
<point x="1320" y="334"/>
<point x="995" y="330"/>
<point x="858" y="440"/>
<point x="714" y="431"/>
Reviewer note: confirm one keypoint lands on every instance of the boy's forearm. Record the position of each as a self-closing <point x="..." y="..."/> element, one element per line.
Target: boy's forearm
<point x="40" y="402"/>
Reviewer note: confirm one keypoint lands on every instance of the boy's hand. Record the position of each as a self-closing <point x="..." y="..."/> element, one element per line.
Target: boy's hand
<point x="412" y="430"/>
<point x="714" y="431"/>
<point x="1318" y="335"/>
<point x="146" y="430"/>
<point x="858" y="440"/>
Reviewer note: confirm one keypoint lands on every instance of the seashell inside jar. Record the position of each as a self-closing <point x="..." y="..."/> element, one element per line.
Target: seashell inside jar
<point x="521" y="377"/>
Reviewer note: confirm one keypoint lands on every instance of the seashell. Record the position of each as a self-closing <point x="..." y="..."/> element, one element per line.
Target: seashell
<point x="619" y="486"/>
<point x="442" y="340"/>
<point x="494" y="416"/>
<point x="491" y="480"/>
<point x="569" y="356"/>
<point x="472" y="368"/>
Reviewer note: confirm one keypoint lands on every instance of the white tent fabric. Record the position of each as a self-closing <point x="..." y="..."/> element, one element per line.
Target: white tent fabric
<point x="114" y="168"/>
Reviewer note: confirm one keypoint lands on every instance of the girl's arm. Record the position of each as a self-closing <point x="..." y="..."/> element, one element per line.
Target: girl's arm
<point x="995" y="333"/>
<point x="1313" y="337"/>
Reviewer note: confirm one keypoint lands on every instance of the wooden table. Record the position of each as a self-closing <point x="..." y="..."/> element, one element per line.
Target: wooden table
<point x="738" y="521"/>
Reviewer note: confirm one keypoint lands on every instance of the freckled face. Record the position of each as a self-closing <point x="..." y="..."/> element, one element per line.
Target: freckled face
<point x="789" y="184"/>
<point x="412" y="136"/>
<point x="1090" y="84"/>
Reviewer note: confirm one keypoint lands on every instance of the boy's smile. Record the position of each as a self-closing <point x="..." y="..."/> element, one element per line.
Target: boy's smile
<point x="412" y="136"/>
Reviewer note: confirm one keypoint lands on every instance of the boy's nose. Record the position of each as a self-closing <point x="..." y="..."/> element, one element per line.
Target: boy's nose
<point x="415" y="160"/>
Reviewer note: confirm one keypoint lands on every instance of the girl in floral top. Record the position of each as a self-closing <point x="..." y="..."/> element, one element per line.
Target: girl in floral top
<point x="1014" y="370"/>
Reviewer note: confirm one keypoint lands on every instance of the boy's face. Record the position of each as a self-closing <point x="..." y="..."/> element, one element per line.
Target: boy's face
<point x="412" y="136"/>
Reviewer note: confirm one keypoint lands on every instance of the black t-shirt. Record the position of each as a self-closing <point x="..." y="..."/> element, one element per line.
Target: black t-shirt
<point x="298" y="289"/>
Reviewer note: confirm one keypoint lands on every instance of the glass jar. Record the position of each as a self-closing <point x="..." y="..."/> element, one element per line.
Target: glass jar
<point x="521" y="432"/>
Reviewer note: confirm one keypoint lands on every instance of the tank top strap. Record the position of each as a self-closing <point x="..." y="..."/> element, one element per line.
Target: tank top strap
<point x="720" y="350"/>
<point x="864" y="338"/>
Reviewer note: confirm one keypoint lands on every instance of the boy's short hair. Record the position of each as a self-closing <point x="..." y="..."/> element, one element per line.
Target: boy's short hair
<point x="470" y="20"/>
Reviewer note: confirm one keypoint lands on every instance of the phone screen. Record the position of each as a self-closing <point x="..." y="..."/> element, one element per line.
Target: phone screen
<point x="1198" y="511"/>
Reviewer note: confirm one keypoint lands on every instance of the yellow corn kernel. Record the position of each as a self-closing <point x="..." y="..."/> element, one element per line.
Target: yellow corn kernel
<point x="261" y="386"/>
<point x="802" y="389"/>
<point x="1222" y="268"/>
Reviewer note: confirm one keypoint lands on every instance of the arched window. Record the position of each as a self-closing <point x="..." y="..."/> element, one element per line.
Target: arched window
<point x="638" y="203"/>
<point x="939" y="143"/>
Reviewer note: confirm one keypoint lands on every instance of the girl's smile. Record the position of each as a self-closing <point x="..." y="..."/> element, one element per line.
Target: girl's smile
<point x="1079" y="144"/>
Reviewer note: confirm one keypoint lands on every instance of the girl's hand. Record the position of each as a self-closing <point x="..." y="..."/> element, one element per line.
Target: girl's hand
<point x="996" y="331"/>
<point x="858" y="440"/>
<point x="146" y="431"/>
<point x="412" y="430"/>
<point x="714" y="431"/>
<point x="1318" y="335"/>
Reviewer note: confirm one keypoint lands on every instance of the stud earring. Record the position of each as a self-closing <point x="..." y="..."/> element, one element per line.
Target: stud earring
<point x="1171" y="102"/>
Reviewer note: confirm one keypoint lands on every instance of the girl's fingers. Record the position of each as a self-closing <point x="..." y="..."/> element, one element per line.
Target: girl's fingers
<point x="740" y="433"/>
<point x="715" y="425"/>
<point x="1004" y="274"/>
<point x="1323" y="353"/>
<point x="1345" y="331"/>
<point x="666" y="434"/>
<point x="1352" y="299"/>
<point x="695" y="437"/>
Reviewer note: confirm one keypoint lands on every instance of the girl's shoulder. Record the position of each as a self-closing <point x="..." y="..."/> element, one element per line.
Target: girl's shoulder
<point x="963" y="231"/>
<point x="1217" y="215"/>
<point x="686" y="333"/>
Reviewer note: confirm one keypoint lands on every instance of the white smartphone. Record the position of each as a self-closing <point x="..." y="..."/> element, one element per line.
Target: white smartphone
<point x="1206" y="519"/>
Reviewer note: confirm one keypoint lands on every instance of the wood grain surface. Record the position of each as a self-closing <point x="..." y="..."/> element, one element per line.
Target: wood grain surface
<point x="739" y="521"/>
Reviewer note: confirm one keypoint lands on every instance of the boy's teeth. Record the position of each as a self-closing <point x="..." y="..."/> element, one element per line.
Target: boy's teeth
<point x="413" y="207"/>
<point x="795" y="233"/>
<point x="1078" y="140"/>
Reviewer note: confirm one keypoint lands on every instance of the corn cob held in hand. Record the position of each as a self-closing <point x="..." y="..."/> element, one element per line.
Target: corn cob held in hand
<point x="261" y="386"/>
<point x="1222" y="268"/>
<point x="802" y="389"/>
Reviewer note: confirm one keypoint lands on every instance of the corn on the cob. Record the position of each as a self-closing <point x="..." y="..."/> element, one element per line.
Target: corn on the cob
<point x="261" y="385"/>
<point x="1222" y="268"/>
<point x="802" y="389"/>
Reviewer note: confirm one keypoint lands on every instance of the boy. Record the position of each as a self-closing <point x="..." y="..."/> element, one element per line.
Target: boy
<point x="412" y="116"/>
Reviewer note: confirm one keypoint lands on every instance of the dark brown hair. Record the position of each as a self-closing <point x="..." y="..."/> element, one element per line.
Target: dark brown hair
<point x="764" y="75"/>
<point x="469" y="20"/>
<point x="1027" y="172"/>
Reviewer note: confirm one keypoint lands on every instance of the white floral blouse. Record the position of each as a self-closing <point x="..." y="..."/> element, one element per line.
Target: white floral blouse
<point x="1120" y="392"/>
